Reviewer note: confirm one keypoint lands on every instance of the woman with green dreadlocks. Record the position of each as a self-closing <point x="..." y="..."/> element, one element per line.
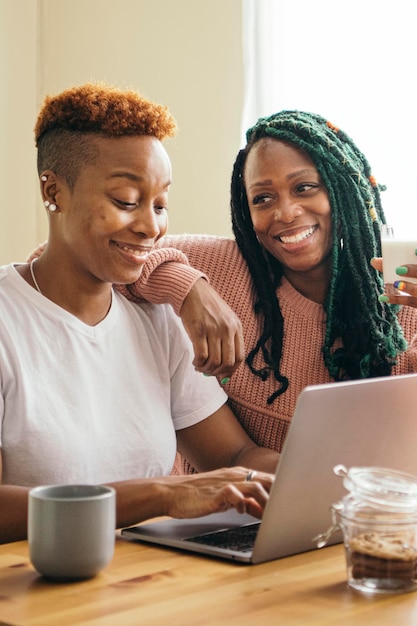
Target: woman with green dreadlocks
<point x="306" y="213"/>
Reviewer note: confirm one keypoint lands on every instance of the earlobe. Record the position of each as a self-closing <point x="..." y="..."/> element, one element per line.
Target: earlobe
<point x="50" y="206"/>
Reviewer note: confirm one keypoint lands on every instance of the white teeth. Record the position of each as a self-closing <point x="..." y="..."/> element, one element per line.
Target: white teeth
<point x="299" y="237"/>
<point x="135" y="252"/>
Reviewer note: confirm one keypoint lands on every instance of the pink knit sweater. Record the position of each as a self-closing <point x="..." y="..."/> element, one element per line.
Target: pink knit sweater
<point x="302" y="362"/>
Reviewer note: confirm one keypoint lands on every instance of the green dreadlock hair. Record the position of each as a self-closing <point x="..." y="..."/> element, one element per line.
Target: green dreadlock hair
<point x="370" y="332"/>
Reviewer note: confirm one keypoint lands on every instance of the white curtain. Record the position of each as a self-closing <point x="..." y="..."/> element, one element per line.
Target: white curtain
<point x="352" y="62"/>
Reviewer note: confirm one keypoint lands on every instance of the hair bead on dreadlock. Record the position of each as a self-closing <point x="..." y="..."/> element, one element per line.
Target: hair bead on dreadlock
<point x="370" y="333"/>
<point x="333" y="127"/>
<point x="373" y="214"/>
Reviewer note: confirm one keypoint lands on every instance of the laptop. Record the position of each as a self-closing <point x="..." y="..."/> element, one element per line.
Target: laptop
<point x="362" y="423"/>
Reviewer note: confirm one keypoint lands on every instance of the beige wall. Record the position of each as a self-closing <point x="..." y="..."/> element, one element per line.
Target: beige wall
<point x="182" y="53"/>
<point x="18" y="106"/>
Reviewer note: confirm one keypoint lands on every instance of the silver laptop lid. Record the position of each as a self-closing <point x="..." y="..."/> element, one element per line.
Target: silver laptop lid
<point x="370" y="422"/>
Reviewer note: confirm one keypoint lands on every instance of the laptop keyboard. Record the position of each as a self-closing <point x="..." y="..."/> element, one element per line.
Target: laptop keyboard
<point x="240" y="539"/>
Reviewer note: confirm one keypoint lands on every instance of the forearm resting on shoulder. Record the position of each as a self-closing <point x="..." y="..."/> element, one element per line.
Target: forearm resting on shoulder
<point x="213" y="327"/>
<point x="166" y="278"/>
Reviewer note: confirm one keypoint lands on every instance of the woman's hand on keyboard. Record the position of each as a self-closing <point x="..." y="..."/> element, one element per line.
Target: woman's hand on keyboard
<point x="212" y="492"/>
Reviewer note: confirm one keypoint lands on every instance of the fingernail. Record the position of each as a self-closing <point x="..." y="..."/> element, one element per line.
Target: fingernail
<point x="399" y="284"/>
<point x="224" y="380"/>
<point x="401" y="270"/>
<point x="383" y="298"/>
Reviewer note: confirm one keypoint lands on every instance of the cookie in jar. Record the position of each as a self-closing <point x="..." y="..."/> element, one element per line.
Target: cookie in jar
<point x="378" y="518"/>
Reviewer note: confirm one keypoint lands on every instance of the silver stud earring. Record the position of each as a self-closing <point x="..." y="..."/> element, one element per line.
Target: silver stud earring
<point x="44" y="178"/>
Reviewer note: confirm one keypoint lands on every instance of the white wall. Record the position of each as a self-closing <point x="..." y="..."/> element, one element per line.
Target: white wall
<point x="354" y="65"/>
<point x="182" y="53"/>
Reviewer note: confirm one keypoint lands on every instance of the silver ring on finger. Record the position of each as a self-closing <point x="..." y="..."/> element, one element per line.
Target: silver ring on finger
<point x="250" y="476"/>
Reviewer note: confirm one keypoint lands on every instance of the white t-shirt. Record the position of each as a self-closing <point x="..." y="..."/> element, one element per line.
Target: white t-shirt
<point x="93" y="404"/>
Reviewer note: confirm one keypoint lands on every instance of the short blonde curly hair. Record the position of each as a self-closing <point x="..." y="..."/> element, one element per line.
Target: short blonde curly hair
<point x="67" y="121"/>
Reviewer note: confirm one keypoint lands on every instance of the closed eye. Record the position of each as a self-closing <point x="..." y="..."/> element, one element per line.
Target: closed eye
<point x="129" y="206"/>
<point x="125" y="205"/>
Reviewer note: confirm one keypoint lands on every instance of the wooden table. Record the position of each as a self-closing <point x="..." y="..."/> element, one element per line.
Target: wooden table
<point x="146" y="586"/>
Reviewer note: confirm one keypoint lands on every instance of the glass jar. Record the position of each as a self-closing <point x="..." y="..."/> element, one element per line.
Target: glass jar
<point x="378" y="518"/>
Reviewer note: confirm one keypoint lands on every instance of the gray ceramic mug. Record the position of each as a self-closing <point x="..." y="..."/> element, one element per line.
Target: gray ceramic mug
<point x="71" y="530"/>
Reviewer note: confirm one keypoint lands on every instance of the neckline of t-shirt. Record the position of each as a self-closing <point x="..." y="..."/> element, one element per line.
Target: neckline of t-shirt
<point x="53" y="310"/>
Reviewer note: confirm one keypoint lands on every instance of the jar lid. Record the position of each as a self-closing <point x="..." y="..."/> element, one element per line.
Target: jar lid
<point x="378" y="486"/>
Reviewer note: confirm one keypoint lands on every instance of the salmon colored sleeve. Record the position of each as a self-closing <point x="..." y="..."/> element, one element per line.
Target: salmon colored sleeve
<point x="407" y="361"/>
<point x="412" y="353"/>
<point x="166" y="278"/>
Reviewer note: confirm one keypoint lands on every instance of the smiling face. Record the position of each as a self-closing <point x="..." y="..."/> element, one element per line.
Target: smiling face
<point x="290" y="208"/>
<point x="107" y="225"/>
